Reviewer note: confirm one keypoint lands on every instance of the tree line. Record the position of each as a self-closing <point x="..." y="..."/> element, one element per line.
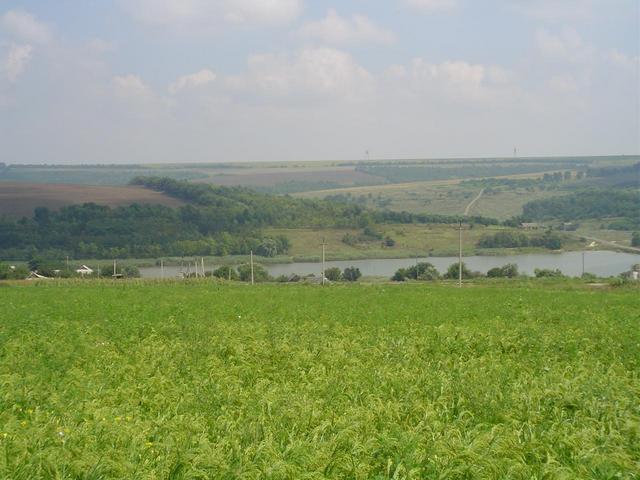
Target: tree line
<point x="217" y="221"/>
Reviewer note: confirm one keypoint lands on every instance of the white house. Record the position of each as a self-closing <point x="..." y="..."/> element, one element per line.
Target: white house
<point x="36" y="276"/>
<point x="84" y="270"/>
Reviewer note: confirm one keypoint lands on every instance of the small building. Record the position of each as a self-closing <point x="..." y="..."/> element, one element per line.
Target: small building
<point x="530" y="226"/>
<point x="84" y="270"/>
<point x="36" y="276"/>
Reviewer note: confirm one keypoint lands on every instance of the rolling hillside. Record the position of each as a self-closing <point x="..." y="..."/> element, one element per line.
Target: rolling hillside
<point x="18" y="199"/>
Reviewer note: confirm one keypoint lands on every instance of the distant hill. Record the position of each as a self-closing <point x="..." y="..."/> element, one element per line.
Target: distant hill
<point x="18" y="199"/>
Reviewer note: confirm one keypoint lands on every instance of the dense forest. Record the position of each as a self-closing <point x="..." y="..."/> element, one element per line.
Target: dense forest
<point x="217" y="221"/>
<point x="594" y="203"/>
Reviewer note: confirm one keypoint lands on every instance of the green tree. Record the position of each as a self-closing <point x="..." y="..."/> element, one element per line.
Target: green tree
<point x="259" y="273"/>
<point x="509" y="270"/>
<point x="546" y="272"/>
<point x="635" y="239"/>
<point x="333" y="274"/>
<point x="351" y="274"/>
<point x="226" y="272"/>
<point x="453" y="271"/>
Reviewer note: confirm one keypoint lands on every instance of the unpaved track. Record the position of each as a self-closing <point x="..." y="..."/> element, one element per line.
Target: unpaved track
<point x="472" y="203"/>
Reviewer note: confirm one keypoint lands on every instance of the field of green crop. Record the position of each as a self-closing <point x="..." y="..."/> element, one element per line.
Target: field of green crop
<point x="198" y="380"/>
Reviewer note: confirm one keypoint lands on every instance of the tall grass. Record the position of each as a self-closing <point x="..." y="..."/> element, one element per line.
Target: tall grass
<point x="171" y="380"/>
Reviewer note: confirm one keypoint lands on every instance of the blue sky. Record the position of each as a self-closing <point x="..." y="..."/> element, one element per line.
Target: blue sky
<point x="280" y="80"/>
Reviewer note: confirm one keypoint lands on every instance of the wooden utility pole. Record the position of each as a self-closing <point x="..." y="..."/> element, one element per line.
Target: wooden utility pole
<point x="251" y="253"/>
<point x="460" y="255"/>
<point x="114" y="268"/>
<point x="202" y="261"/>
<point x="323" y="258"/>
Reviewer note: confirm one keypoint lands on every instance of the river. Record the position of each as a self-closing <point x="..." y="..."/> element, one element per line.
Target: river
<point x="600" y="263"/>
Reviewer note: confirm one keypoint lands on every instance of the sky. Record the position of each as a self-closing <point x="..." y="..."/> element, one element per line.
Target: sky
<point x="171" y="81"/>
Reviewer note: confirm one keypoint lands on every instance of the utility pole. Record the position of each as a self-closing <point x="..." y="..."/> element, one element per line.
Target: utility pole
<point x="323" y="258"/>
<point x="251" y="254"/>
<point x="114" y="269"/>
<point x="67" y="262"/>
<point x="202" y="260"/>
<point x="583" y="264"/>
<point x="460" y="255"/>
<point x="162" y="269"/>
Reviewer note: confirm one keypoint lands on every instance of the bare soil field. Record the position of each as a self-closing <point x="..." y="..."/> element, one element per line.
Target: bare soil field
<point x="18" y="199"/>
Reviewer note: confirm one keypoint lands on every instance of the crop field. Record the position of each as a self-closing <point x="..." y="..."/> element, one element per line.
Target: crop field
<point x="18" y="199"/>
<point x="524" y="380"/>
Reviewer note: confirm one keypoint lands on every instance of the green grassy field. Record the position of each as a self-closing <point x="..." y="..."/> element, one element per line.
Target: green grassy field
<point x="441" y="197"/>
<point x="411" y="240"/>
<point x="516" y="380"/>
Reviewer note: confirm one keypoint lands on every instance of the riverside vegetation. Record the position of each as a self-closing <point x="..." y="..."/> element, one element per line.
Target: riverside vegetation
<point x="130" y="379"/>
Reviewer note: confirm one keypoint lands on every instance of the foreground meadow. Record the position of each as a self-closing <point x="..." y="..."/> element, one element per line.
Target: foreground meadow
<point x="198" y="380"/>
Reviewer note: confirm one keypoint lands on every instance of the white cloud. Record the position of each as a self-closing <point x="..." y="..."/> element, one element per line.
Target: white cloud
<point x="564" y="45"/>
<point x="313" y="71"/>
<point x="558" y="11"/>
<point x="565" y="83"/>
<point x="99" y="46"/>
<point x="210" y="15"/>
<point x="198" y="79"/>
<point x="622" y="60"/>
<point x="430" y="6"/>
<point x="456" y="80"/>
<point x="25" y="26"/>
<point x="339" y="30"/>
<point x="17" y="58"/>
<point x="270" y="12"/>
<point x="130" y="87"/>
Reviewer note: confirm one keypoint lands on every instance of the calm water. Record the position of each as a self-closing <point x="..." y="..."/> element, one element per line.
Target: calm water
<point x="601" y="263"/>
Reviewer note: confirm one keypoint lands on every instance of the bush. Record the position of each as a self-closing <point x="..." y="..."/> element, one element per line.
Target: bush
<point x="130" y="271"/>
<point x="351" y="274"/>
<point x="333" y="274"/>
<point x="453" y="271"/>
<point x="547" y="273"/>
<point x="420" y="271"/>
<point x="510" y="270"/>
<point x="259" y="273"/>
<point x="635" y="239"/>
<point x="226" y="272"/>
<point x="389" y="242"/>
<point x="401" y="275"/>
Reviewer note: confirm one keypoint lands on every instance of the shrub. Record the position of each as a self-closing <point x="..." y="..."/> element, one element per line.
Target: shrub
<point x="546" y="272"/>
<point x="333" y="274"/>
<point x="453" y="271"/>
<point x="510" y="270"/>
<point x="420" y="271"/>
<point x="351" y="274"/>
<point x="259" y="273"/>
<point x="226" y="272"/>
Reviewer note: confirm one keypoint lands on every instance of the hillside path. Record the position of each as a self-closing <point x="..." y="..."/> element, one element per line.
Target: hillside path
<point x="472" y="203"/>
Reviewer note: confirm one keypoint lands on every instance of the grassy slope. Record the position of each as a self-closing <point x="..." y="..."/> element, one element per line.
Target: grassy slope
<point x="410" y="381"/>
<point x="447" y="197"/>
<point x="411" y="241"/>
